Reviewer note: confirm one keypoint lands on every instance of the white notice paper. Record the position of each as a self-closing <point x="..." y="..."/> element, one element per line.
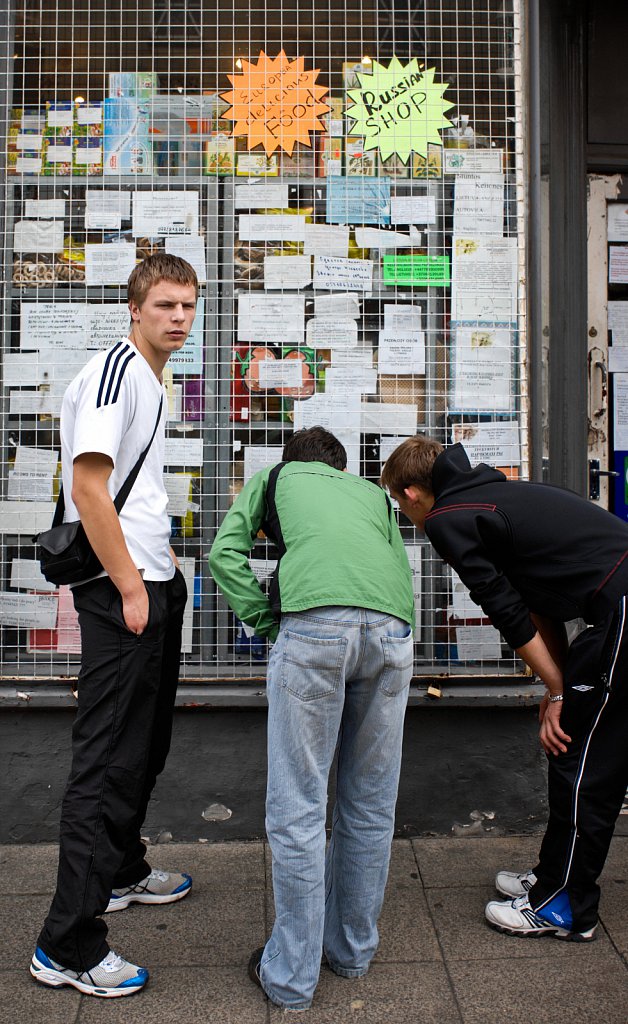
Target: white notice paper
<point x="26" y="369"/>
<point x="476" y="161"/>
<point x="71" y="325"/>
<point x="31" y="611"/>
<point x="494" y="443"/>
<point x="360" y="380"/>
<point x="38" y="236"/>
<point x="280" y="373"/>
<point x="484" y="281"/>
<point x="257" y="457"/>
<point x="35" y="460"/>
<point x="478" y="643"/>
<point x="620" y="414"/>
<point x="325" y="332"/>
<point x="618" y="321"/>
<point x="341" y="306"/>
<point x="109" y="263"/>
<point x="192" y="249"/>
<point x="29" y="486"/>
<point x="389" y="418"/>
<point x="376" y="238"/>
<point x="260" y="196"/>
<point x="333" y="272"/>
<point x="326" y="240"/>
<point x="329" y="412"/>
<point x="165" y="213"/>
<point x="68" y="630"/>
<point x="280" y="227"/>
<point x="401" y="353"/>
<point x="618" y="359"/>
<point x="462" y="607"/>
<point x="482" y="370"/>
<point x="35" y="403"/>
<point x="26" y="575"/>
<point x="271" y="318"/>
<point x="186" y="564"/>
<point x="618" y="264"/>
<point x="479" y="205"/>
<point x="183" y="451"/>
<point x="178" y="490"/>
<point x="287" y="271"/>
<point x="388" y="444"/>
<point x="402" y="317"/>
<point x="105" y="210"/>
<point x="44" y="208"/>
<point x="617" y="222"/>
<point x="413" y="210"/>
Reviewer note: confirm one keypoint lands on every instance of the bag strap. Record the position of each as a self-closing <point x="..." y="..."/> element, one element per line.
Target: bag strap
<point x="125" y="490"/>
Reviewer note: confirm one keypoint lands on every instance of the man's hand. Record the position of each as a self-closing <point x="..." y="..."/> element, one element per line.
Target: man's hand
<point x="551" y="735"/>
<point x="135" y="608"/>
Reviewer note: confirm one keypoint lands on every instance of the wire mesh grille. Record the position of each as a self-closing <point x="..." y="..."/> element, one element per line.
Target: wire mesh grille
<point x="363" y="272"/>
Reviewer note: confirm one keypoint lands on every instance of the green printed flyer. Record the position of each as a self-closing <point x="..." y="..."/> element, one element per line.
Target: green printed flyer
<point x="417" y="269"/>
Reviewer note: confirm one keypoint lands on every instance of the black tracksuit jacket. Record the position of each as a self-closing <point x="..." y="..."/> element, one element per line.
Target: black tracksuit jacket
<point x="524" y="547"/>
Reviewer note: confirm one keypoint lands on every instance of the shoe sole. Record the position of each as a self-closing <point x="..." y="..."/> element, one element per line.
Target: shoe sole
<point x="147" y="898"/>
<point x="556" y="933"/>
<point x="54" y="979"/>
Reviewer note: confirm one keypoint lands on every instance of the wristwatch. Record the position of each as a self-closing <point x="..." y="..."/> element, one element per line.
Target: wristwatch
<point x="553" y="698"/>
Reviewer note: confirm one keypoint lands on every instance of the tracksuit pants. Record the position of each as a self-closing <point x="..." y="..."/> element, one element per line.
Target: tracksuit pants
<point x="120" y="741"/>
<point x="587" y="784"/>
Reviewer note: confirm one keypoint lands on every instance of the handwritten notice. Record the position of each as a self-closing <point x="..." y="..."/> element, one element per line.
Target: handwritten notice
<point x="378" y="238"/>
<point x="358" y="200"/>
<point x="482" y="370"/>
<point x="257" y="457"/>
<point x="335" y="273"/>
<point x="287" y="271"/>
<point x="275" y="103"/>
<point x="401" y="354"/>
<point x="340" y="306"/>
<point x="183" y="451"/>
<point x="399" y="108"/>
<point x="326" y="332"/>
<point x="165" y="213"/>
<point x="494" y="443"/>
<point x="177" y="487"/>
<point x="402" y="316"/>
<point x="109" y="263"/>
<point x="413" y="210"/>
<point x="260" y="196"/>
<point x="417" y="269"/>
<point x="326" y="240"/>
<point x="478" y="643"/>
<point x="271" y="318"/>
<point x="71" y="325"/>
<point x="279" y="227"/>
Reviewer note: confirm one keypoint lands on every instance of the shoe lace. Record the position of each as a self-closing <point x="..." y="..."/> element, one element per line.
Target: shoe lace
<point x="521" y="902"/>
<point x="112" y="962"/>
<point x="159" y="876"/>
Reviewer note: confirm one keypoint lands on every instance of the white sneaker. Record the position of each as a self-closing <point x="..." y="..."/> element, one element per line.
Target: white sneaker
<point x="112" y="977"/>
<point x="158" y="887"/>
<point x="511" y="884"/>
<point x="516" y="917"/>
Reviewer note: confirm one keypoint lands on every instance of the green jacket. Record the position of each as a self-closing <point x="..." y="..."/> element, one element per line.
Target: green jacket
<point x="337" y="539"/>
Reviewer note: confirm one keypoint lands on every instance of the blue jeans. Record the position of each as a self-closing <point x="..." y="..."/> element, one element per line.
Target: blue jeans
<point x="335" y="676"/>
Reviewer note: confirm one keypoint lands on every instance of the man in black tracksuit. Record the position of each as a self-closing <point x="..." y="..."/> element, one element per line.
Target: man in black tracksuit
<point x="534" y="557"/>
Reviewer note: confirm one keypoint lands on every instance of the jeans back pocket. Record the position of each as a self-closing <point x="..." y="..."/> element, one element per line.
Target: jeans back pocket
<point x="398" y="654"/>
<point x="312" y="667"/>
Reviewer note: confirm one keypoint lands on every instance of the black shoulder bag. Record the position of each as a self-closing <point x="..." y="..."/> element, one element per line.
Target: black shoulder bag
<point x="64" y="552"/>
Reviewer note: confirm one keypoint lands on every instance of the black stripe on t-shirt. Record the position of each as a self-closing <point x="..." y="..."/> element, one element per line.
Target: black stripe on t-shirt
<point x="103" y="379"/>
<point x="112" y="376"/>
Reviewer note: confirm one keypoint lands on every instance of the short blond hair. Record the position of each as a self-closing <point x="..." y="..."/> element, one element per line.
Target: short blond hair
<point x="411" y="464"/>
<point x="159" y="267"/>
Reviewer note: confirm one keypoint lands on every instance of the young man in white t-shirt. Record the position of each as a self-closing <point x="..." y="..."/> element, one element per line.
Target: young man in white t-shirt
<point x="130" y="619"/>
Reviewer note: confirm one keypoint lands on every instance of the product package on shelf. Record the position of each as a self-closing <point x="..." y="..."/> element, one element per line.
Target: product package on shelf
<point x="133" y="84"/>
<point x="359" y="162"/>
<point x="329" y="156"/>
<point x="219" y="156"/>
<point x="127" y="146"/>
<point x="25" y="140"/>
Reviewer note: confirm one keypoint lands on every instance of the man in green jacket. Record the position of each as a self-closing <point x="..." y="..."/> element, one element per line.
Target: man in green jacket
<point x="340" y="610"/>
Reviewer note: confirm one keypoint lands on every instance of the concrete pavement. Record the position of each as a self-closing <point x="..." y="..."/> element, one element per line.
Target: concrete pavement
<point x="438" y="962"/>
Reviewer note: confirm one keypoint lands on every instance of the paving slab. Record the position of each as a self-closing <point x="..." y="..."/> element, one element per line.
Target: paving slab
<point x="209" y="929"/>
<point x="183" y="995"/>
<point x="25" y="1001"/>
<point x="614" y="914"/>
<point x="473" y="861"/>
<point x="386" y="995"/>
<point x="21" y="918"/>
<point x="29" y="869"/>
<point x="547" y="990"/>
<point x="241" y="866"/>
<point x="463" y="933"/>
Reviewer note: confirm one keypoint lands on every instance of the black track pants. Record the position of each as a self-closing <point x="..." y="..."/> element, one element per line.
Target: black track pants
<point x="588" y="783"/>
<point x="120" y="741"/>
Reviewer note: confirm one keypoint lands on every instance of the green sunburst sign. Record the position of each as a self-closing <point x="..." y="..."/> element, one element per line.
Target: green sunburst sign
<point x="399" y="109"/>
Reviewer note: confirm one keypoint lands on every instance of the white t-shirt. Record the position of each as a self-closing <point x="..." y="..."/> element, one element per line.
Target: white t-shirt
<point x="111" y="407"/>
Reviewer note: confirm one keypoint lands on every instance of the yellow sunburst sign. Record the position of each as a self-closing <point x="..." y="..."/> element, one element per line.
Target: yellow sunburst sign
<point x="399" y="109"/>
<point x="275" y="103"/>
